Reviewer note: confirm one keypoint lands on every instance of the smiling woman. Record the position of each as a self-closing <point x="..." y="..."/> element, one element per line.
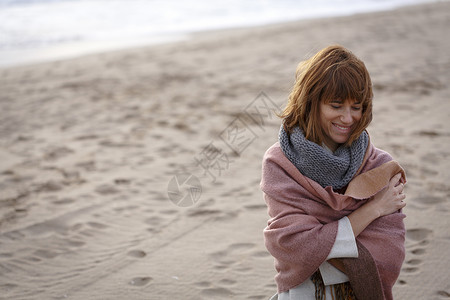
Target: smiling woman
<point x="332" y="76"/>
<point x="336" y="228"/>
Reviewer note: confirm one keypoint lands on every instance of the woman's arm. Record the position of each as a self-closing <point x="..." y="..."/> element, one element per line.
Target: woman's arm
<point x="386" y="202"/>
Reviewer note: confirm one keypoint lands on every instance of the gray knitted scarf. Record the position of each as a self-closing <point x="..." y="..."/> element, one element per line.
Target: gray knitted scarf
<point x="320" y="165"/>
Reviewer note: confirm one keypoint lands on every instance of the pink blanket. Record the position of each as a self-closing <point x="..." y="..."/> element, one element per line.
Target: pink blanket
<point x="304" y="223"/>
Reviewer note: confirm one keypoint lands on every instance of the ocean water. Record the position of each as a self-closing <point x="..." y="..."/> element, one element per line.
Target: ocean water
<point x="37" y="30"/>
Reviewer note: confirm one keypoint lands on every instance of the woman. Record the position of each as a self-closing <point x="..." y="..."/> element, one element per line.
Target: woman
<point x="336" y="228"/>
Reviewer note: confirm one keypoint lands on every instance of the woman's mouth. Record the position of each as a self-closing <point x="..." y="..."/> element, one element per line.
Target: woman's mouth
<point x="343" y="129"/>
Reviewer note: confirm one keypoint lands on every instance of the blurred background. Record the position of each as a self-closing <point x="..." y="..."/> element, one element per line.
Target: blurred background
<point x="39" y="30"/>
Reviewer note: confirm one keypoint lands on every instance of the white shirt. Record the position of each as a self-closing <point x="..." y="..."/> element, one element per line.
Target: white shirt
<point x="344" y="246"/>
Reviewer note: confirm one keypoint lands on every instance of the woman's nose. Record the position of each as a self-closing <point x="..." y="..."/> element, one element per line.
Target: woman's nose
<point x="346" y="116"/>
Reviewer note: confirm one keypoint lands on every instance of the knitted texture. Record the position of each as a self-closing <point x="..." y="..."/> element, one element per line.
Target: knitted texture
<point x="315" y="162"/>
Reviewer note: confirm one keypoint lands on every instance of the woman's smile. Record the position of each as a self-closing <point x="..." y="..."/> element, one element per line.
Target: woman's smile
<point x="338" y="119"/>
<point x="343" y="129"/>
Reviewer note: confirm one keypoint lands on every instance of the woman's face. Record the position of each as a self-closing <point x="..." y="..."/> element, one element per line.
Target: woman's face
<point x="338" y="119"/>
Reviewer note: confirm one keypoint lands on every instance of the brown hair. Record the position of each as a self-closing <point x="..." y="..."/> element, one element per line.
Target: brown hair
<point x="334" y="73"/>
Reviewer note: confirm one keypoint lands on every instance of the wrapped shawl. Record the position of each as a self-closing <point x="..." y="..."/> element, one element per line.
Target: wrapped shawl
<point x="304" y="223"/>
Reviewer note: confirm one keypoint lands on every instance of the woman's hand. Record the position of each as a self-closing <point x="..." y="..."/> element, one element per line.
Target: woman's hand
<point x="387" y="201"/>
<point x="390" y="199"/>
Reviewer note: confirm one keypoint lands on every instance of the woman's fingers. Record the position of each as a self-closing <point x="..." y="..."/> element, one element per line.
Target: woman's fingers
<point x="397" y="185"/>
<point x="399" y="188"/>
<point x="395" y="180"/>
<point x="402" y="179"/>
<point x="401" y="196"/>
<point x="390" y="199"/>
<point x="402" y="203"/>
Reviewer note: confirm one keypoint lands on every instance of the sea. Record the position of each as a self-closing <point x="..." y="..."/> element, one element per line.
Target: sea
<point x="42" y="30"/>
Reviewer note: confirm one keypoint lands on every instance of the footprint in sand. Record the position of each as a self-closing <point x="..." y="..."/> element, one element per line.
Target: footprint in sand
<point x="414" y="262"/>
<point x="33" y="259"/>
<point x="57" y="152"/>
<point x="429" y="200"/>
<point x="444" y="294"/>
<point x="155" y="221"/>
<point x="418" y="234"/>
<point x="75" y="243"/>
<point x="137" y="253"/>
<point x="401" y="282"/>
<point x="213" y="214"/>
<point x="222" y="259"/>
<point x="140" y="281"/>
<point x="429" y="133"/>
<point x="50" y="186"/>
<point x="106" y="189"/>
<point x="239" y="247"/>
<point x="168" y="211"/>
<point x="257" y="297"/>
<point x="261" y="254"/>
<point x="232" y="257"/>
<point x="410" y="270"/>
<point x="46" y="254"/>
<point x="227" y="281"/>
<point x="203" y="284"/>
<point x="63" y="201"/>
<point x="209" y="289"/>
<point x="217" y="292"/>
<point x="6" y="287"/>
<point x="6" y="255"/>
<point x="418" y="251"/>
<point x="122" y="181"/>
<point x="97" y="225"/>
<point x="255" y="207"/>
<point x="416" y="238"/>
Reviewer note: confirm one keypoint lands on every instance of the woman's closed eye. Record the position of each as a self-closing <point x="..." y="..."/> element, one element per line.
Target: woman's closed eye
<point x="336" y="104"/>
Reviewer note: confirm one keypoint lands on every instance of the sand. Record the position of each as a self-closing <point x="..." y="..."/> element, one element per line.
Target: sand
<point x="91" y="148"/>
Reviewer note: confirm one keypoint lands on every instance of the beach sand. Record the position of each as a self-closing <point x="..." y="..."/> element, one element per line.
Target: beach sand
<point x="91" y="148"/>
